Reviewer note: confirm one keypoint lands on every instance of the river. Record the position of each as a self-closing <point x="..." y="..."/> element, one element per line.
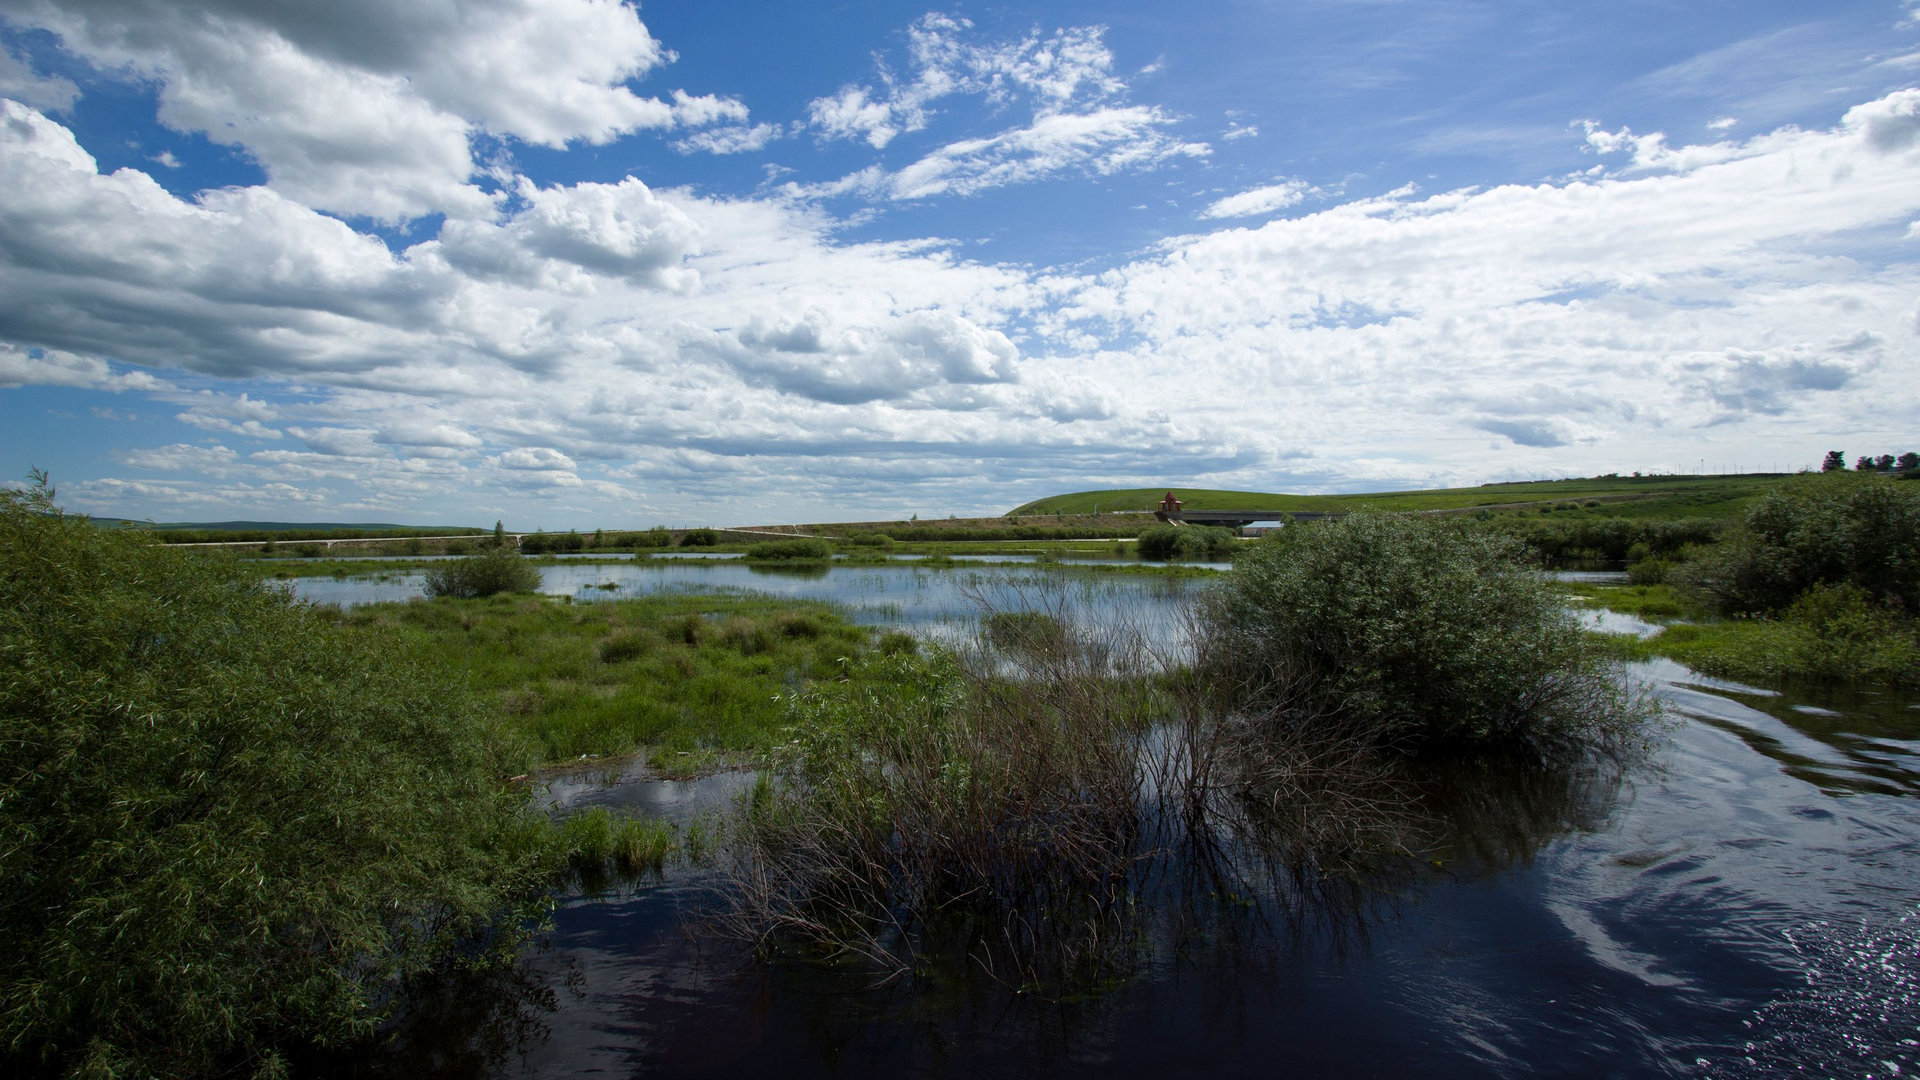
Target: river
<point x="1744" y="901"/>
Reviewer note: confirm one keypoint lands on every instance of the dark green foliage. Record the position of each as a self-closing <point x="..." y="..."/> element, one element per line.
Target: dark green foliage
<point x="552" y="543"/>
<point x="1610" y="539"/>
<point x="871" y="540"/>
<point x="498" y="571"/>
<point x="227" y="826"/>
<point x="652" y="538"/>
<point x="791" y="551"/>
<point x="1165" y="542"/>
<point x="1831" y="634"/>
<point x="1848" y="529"/>
<point x="699" y="538"/>
<point x="1414" y="628"/>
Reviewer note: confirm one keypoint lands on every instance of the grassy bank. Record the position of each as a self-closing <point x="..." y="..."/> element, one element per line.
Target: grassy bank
<point x="1830" y="639"/>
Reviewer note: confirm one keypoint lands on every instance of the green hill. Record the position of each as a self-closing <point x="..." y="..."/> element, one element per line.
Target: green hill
<point x="1622" y="496"/>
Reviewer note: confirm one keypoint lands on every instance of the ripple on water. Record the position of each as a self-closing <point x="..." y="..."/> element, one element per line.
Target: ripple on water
<point x="1853" y="1012"/>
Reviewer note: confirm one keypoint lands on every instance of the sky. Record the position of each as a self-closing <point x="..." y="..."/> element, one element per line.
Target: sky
<point x="582" y="263"/>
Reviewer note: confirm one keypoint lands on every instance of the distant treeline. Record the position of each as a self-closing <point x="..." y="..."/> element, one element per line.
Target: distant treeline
<point x="247" y="536"/>
<point x="597" y="540"/>
<point x="1610" y="539"/>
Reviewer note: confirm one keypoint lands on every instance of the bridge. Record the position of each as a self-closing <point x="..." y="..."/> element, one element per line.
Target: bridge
<point x="1170" y="512"/>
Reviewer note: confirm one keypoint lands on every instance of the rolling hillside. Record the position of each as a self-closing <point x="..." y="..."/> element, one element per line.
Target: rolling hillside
<point x="1622" y="496"/>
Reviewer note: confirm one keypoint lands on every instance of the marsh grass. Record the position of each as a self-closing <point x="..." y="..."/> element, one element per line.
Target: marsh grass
<point x="597" y="841"/>
<point x="680" y="674"/>
<point x="1830" y="635"/>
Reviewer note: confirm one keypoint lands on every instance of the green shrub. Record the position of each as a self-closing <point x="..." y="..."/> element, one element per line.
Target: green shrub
<point x="551" y="543"/>
<point x="1834" y="529"/>
<point x="791" y="551"/>
<point x="871" y="539"/>
<point x="1186" y="542"/>
<point x="498" y="571"/>
<point x="1831" y="634"/>
<point x="655" y="537"/>
<point x="1649" y="571"/>
<point x="229" y="826"/>
<point x="699" y="538"/>
<point x="1413" y="628"/>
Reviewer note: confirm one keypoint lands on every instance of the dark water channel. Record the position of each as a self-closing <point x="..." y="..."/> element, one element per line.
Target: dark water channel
<point x="1745" y="901"/>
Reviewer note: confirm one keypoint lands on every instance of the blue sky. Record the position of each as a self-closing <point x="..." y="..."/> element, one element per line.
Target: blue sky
<point x="576" y="263"/>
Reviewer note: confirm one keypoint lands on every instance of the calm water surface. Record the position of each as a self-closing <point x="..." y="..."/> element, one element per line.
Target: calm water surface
<point x="1745" y="902"/>
<point x="940" y="602"/>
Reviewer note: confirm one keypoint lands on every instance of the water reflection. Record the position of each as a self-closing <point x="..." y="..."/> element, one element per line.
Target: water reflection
<point x="942" y="603"/>
<point x="1740" y="904"/>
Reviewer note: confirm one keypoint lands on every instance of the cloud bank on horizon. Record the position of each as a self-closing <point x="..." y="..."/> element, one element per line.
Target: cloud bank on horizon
<point x="571" y="263"/>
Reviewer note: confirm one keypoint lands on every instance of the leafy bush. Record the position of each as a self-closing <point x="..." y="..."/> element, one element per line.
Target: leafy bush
<point x="1186" y="542"/>
<point x="871" y="539"/>
<point x="497" y="571"/>
<point x="655" y="537"/>
<point x="791" y="551"/>
<point x="1836" y="529"/>
<point x="699" y="538"/>
<point x="229" y="826"/>
<point x="1413" y="628"/>
<point x="1608" y="538"/>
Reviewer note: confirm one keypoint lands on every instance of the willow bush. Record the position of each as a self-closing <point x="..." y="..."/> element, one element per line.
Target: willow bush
<point x="501" y="570"/>
<point x="1414" y="629"/>
<point x="1164" y="542"/>
<point x="228" y="827"/>
<point x="1836" y="529"/>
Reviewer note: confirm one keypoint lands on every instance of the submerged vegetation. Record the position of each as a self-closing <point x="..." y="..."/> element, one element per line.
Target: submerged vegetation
<point x="1027" y="808"/>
